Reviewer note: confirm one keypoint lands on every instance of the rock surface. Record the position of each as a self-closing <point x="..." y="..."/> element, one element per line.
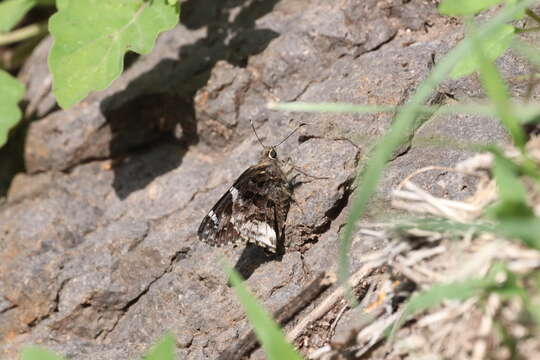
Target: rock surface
<point x="98" y="249"/>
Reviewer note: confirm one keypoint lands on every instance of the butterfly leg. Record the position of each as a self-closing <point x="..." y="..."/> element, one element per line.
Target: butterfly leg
<point x="293" y="198"/>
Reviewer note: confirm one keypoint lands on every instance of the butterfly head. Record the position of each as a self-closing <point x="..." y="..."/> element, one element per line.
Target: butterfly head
<point x="270" y="153"/>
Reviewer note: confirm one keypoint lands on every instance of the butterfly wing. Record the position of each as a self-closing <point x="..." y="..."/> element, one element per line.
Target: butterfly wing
<point x="254" y="209"/>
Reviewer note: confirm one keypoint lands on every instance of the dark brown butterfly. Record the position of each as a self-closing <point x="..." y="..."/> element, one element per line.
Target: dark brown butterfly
<point x="255" y="207"/>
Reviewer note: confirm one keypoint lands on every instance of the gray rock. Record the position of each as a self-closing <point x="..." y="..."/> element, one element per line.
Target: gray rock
<point x="98" y="249"/>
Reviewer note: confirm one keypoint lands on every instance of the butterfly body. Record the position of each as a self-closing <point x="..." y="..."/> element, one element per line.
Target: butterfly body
<point x="253" y="209"/>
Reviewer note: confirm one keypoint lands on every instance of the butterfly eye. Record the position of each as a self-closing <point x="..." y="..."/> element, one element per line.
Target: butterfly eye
<point x="272" y="154"/>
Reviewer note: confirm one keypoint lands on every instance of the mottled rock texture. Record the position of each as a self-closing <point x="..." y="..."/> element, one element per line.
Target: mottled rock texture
<point x="98" y="249"/>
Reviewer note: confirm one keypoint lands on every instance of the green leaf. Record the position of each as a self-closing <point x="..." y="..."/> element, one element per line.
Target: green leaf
<point x="92" y="36"/>
<point x="12" y="11"/>
<point x="37" y="353"/>
<point x="465" y="7"/>
<point x="163" y="350"/>
<point x="494" y="45"/>
<point x="270" y="336"/>
<point x="12" y="92"/>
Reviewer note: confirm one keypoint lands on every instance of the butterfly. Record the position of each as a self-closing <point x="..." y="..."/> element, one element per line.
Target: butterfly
<point x="254" y="209"/>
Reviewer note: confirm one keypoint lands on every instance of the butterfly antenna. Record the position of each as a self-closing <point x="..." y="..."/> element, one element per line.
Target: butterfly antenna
<point x="255" y="131"/>
<point x="288" y="136"/>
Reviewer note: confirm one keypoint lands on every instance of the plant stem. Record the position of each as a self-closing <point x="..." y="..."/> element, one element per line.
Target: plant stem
<point x="24" y="33"/>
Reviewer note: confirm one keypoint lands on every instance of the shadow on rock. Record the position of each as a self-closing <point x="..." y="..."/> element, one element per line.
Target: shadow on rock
<point x="231" y="33"/>
<point x="252" y="257"/>
<point x="159" y="103"/>
<point x="143" y="122"/>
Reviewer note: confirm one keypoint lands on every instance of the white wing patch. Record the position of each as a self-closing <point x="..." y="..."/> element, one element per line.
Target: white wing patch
<point x="234" y="193"/>
<point x="214" y="218"/>
<point x="258" y="232"/>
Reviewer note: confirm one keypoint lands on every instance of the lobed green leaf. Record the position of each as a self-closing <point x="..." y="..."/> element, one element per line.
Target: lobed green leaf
<point x="92" y="36"/>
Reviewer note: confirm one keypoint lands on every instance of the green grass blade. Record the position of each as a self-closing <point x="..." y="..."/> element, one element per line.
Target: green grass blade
<point x="496" y="91"/>
<point x="512" y="192"/>
<point x="401" y="127"/>
<point x="532" y="304"/>
<point x="459" y="290"/>
<point x="436" y="295"/>
<point x="443" y="225"/>
<point x="333" y="107"/>
<point x="270" y="336"/>
<point x="525" y="229"/>
<point x="527" y="113"/>
<point x="163" y="350"/>
<point x="531" y="52"/>
<point x="493" y="47"/>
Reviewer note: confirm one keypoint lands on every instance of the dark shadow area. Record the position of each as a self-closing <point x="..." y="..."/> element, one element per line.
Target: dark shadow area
<point x="140" y="125"/>
<point x="145" y="164"/>
<point x="231" y="34"/>
<point x="254" y="256"/>
<point x="159" y="104"/>
<point x="12" y="156"/>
